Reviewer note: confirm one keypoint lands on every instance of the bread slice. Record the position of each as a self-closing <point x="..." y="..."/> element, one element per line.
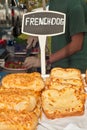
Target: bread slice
<point x="60" y="83"/>
<point x="32" y="81"/>
<point x="62" y="103"/>
<point x="67" y="73"/>
<point x="19" y="99"/>
<point x="17" y="120"/>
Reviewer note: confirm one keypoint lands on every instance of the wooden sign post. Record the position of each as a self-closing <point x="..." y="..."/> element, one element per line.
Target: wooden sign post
<point x="43" y="24"/>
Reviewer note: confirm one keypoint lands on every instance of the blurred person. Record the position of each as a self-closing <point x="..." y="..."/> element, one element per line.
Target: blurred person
<point x="70" y="48"/>
<point x="31" y="41"/>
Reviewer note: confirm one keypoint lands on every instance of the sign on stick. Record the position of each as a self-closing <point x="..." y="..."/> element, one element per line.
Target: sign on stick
<point x="43" y="24"/>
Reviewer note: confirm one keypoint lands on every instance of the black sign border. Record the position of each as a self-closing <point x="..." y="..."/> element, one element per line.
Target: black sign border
<point x="44" y="34"/>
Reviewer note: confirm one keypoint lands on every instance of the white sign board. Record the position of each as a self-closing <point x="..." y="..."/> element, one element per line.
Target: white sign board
<point x="43" y="24"/>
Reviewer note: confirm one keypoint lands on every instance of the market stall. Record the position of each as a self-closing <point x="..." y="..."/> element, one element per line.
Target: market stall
<point x="57" y="101"/>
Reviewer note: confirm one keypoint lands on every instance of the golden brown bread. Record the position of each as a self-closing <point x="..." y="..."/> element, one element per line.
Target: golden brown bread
<point x="19" y="99"/>
<point x="17" y="120"/>
<point x="64" y="95"/>
<point x="60" y="83"/>
<point x="32" y="81"/>
<point x="67" y="73"/>
<point x="61" y="78"/>
<point x="20" y="109"/>
<point x="62" y="103"/>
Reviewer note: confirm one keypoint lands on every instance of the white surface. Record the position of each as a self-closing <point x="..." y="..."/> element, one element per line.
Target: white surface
<point x="67" y="123"/>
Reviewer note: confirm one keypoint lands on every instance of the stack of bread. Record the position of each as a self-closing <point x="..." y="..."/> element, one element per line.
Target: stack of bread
<point x="64" y="94"/>
<point x="20" y="101"/>
<point x="23" y="97"/>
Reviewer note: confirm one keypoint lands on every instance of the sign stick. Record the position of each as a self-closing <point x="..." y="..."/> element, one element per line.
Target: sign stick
<point x="43" y="24"/>
<point x="42" y="43"/>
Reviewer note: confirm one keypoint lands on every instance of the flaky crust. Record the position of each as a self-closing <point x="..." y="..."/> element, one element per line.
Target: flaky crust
<point x="31" y="81"/>
<point x="15" y="120"/>
<point x="18" y="99"/>
<point x="60" y="83"/>
<point x="67" y="73"/>
<point x="61" y="103"/>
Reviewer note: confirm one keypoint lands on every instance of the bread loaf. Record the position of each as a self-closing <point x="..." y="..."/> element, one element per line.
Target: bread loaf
<point x="62" y="103"/>
<point x="60" y="95"/>
<point x="18" y="99"/>
<point x="31" y="81"/>
<point x="64" y="94"/>
<point x="67" y="73"/>
<point x="60" y="83"/>
<point x="17" y="120"/>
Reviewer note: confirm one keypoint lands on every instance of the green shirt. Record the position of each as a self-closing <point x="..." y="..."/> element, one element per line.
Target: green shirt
<point x="75" y="23"/>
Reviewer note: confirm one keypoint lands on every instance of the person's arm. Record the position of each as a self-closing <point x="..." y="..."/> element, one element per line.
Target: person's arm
<point x="74" y="46"/>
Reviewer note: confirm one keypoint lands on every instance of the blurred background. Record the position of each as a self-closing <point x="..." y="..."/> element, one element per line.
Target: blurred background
<point x="12" y="41"/>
